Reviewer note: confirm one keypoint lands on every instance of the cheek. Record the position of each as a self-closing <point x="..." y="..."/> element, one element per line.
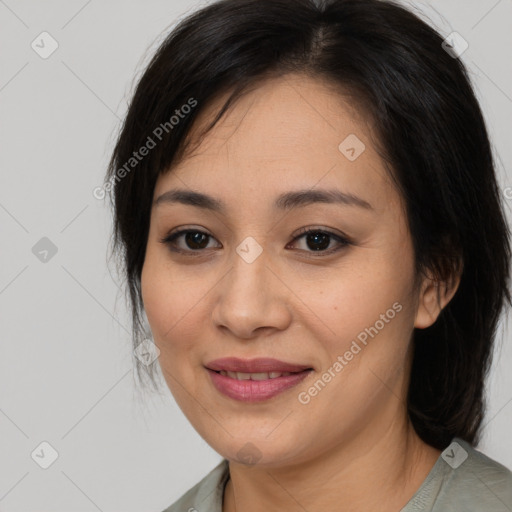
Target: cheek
<point x="170" y="303"/>
<point x="174" y="304"/>
<point x="367" y="301"/>
<point x="162" y="302"/>
<point x="365" y="328"/>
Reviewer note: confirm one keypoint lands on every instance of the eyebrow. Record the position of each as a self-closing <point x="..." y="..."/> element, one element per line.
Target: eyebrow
<point x="285" y="201"/>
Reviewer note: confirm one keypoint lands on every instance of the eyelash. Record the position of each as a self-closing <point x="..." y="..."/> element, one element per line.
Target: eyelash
<point x="343" y="242"/>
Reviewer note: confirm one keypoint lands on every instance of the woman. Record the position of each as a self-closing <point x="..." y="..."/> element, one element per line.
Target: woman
<point x="308" y="216"/>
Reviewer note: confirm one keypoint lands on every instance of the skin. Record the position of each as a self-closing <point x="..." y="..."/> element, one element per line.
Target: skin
<point x="352" y="443"/>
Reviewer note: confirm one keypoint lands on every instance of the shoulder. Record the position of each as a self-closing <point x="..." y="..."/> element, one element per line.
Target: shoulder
<point x="206" y="495"/>
<point x="479" y="474"/>
<point x="463" y="478"/>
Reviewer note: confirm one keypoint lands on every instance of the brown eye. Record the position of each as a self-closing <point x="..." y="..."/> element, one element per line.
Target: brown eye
<point x="319" y="241"/>
<point x="194" y="240"/>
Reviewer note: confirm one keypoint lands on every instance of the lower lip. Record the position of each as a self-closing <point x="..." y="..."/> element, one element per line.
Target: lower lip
<point x="255" y="390"/>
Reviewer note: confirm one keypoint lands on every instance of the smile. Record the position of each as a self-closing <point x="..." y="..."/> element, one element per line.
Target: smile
<point x="254" y="376"/>
<point x="255" y="387"/>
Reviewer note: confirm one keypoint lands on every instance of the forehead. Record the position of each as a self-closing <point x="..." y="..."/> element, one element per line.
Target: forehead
<point x="293" y="114"/>
<point x="285" y="131"/>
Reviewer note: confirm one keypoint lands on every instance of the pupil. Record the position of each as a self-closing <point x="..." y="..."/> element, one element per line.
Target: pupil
<point x="194" y="240"/>
<point x="318" y="237"/>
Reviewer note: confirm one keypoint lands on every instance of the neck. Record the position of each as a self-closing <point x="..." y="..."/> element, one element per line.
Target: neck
<point x="375" y="470"/>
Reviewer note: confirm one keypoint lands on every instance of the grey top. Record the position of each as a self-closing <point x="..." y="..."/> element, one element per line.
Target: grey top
<point x="462" y="480"/>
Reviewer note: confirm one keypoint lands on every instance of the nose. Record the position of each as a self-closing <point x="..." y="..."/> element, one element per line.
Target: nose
<point x="252" y="298"/>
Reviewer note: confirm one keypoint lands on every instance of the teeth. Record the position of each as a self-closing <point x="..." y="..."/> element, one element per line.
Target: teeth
<point x="239" y="375"/>
<point x="254" y="376"/>
<point x="258" y="376"/>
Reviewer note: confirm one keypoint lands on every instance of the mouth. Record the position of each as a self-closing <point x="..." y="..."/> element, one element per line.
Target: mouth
<point x="255" y="380"/>
<point x="255" y="366"/>
<point x="255" y="376"/>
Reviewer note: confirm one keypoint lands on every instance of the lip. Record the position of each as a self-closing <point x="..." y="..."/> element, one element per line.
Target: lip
<point x="258" y="365"/>
<point x="255" y="390"/>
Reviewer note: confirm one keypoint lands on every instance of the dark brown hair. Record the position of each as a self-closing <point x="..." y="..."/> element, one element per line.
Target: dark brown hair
<point x="431" y="134"/>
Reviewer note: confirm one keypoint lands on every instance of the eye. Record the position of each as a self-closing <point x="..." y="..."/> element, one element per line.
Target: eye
<point x="319" y="240"/>
<point x="194" y="240"/>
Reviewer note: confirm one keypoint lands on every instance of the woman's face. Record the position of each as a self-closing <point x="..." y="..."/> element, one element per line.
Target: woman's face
<point x="247" y="283"/>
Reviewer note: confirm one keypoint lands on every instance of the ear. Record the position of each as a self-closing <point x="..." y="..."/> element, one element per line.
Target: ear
<point x="434" y="295"/>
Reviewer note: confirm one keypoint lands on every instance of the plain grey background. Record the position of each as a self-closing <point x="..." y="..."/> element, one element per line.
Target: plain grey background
<point x="66" y="372"/>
